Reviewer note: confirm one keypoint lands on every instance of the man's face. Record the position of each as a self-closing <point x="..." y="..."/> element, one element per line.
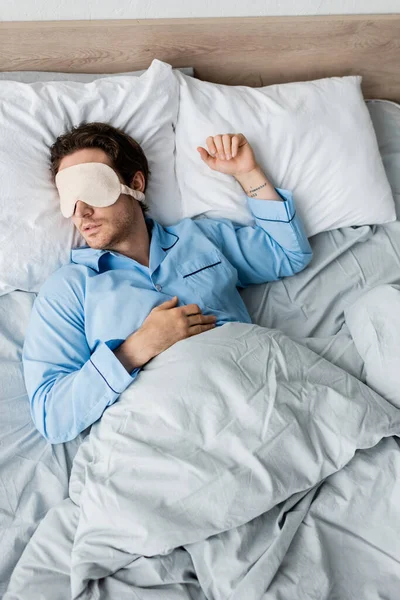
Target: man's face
<point x="113" y="224"/>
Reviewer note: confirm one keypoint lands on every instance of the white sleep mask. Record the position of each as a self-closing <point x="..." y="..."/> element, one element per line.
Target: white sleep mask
<point x="95" y="183"/>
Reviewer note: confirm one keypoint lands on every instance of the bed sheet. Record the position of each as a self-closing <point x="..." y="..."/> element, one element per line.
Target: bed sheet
<point x="33" y="474"/>
<point x="309" y="308"/>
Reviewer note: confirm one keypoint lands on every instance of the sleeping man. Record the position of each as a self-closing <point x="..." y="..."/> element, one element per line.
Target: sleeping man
<point x="137" y="288"/>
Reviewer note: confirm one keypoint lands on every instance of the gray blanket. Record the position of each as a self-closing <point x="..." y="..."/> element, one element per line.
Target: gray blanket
<point x="204" y="482"/>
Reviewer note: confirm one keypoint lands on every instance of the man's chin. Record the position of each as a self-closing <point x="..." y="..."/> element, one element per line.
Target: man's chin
<point x="95" y="242"/>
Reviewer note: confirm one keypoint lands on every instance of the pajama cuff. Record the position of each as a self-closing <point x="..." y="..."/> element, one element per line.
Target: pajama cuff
<point x="274" y="210"/>
<point x="111" y="369"/>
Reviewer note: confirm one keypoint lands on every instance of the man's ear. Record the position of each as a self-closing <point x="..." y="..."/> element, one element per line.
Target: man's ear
<point x="138" y="181"/>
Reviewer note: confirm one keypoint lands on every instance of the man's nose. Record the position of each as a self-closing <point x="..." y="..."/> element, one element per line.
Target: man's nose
<point x="81" y="208"/>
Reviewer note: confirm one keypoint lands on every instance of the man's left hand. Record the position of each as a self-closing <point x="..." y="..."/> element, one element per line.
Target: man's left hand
<point x="229" y="153"/>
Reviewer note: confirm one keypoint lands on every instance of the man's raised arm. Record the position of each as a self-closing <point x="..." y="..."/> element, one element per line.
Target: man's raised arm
<point x="277" y="246"/>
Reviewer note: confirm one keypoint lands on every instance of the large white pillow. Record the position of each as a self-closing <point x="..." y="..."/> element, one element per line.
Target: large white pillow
<point x="314" y="138"/>
<point x="35" y="239"/>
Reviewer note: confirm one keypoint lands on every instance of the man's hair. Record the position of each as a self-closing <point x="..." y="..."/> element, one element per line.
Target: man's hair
<point x="125" y="153"/>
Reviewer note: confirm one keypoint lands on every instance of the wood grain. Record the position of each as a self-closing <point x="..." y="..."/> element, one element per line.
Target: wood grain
<point x="250" y="51"/>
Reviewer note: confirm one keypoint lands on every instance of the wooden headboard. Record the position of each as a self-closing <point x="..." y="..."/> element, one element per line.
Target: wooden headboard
<point x="249" y="51"/>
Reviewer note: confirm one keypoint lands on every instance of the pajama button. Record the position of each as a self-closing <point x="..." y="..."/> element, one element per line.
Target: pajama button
<point x="158" y="287"/>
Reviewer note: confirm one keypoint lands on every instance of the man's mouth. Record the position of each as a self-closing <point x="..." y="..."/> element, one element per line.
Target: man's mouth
<point x="90" y="227"/>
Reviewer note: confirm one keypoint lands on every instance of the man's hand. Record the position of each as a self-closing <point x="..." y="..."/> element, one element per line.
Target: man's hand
<point x="230" y="153"/>
<point x="165" y="325"/>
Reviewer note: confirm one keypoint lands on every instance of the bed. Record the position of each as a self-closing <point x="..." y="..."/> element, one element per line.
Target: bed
<point x="336" y="535"/>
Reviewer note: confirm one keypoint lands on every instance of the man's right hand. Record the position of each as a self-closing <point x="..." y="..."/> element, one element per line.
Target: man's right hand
<point x="165" y="325"/>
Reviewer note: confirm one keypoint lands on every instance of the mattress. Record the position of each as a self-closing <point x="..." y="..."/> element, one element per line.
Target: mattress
<point x="308" y="307"/>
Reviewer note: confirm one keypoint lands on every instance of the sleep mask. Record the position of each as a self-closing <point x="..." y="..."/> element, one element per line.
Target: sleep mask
<point x="95" y="183"/>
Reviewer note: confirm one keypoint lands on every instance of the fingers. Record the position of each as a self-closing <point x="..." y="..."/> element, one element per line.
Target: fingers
<point x="196" y="322"/>
<point x="168" y="304"/>
<point x="191" y="309"/>
<point x="235" y="145"/>
<point x="188" y="309"/>
<point x="211" y="145"/>
<point x="200" y="319"/>
<point x="219" y="146"/>
<point x="209" y="160"/>
<point x="226" y="142"/>
<point x="225" y="146"/>
<point x="200" y="328"/>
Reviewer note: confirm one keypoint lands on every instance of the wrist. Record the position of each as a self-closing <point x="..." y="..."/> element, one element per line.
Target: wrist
<point x="133" y="353"/>
<point x="256" y="185"/>
<point x="246" y="178"/>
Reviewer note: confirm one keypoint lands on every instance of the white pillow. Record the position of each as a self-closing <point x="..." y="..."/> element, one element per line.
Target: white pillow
<point x="374" y="324"/>
<point x="35" y="239"/>
<point x="314" y="138"/>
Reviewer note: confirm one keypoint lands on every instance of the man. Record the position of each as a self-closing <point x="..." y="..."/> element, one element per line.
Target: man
<point x="138" y="288"/>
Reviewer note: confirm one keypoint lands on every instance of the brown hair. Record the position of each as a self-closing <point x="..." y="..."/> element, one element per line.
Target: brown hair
<point x="125" y="153"/>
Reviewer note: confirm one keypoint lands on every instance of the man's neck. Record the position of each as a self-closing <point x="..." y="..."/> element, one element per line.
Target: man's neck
<point x="138" y="248"/>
